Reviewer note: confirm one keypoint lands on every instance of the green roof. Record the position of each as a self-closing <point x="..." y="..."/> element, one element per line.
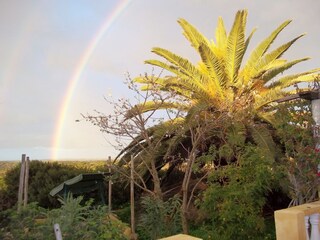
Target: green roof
<point x="83" y="183"/>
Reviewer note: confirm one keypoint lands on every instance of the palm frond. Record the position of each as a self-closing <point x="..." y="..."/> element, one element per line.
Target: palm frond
<point x="274" y="64"/>
<point x="214" y="68"/>
<point x="267" y="97"/>
<point x="263" y="138"/>
<point x="274" y="71"/>
<point x="152" y="106"/>
<point x="183" y="66"/>
<point x="167" y="67"/>
<point x="236" y="46"/>
<point x="221" y="34"/>
<point x="291" y="80"/>
<point x="192" y="34"/>
<point x="196" y="109"/>
<point x="267" y="116"/>
<point x="236" y="134"/>
<point x="185" y="79"/>
<point x="149" y="80"/>
<point x="262" y="64"/>
<point x="168" y="84"/>
<point x="260" y="50"/>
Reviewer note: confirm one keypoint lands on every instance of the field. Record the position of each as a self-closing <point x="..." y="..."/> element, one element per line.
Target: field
<point x="90" y="164"/>
<point x="6" y="165"/>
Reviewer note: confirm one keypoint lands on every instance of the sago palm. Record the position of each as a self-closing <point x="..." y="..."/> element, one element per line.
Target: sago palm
<point x="222" y="83"/>
<point x="222" y="80"/>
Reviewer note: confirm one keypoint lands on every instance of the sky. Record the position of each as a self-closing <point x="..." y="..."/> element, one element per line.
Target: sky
<point x="59" y="59"/>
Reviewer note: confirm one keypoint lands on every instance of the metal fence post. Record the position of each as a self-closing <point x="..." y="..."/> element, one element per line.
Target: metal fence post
<point x="57" y="231"/>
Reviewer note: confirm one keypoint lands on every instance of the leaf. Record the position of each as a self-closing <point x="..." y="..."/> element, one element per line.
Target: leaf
<point x="192" y="34"/>
<point x="290" y="80"/>
<point x="182" y="65"/>
<point x="221" y="34"/>
<point x="226" y="151"/>
<point x="214" y="68"/>
<point x="271" y="73"/>
<point x="236" y="134"/>
<point x="263" y="63"/>
<point x="263" y="139"/>
<point x="259" y="51"/>
<point x="236" y="46"/>
<point x="151" y="106"/>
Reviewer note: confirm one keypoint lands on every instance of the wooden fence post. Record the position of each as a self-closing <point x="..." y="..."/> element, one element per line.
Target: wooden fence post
<point x="110" y="186"/>
<point x="26" y="182"/>
<point x="133" y="233"/>
<point x="21" y="181"/>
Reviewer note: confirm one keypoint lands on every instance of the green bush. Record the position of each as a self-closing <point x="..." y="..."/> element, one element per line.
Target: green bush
<point x="124" y="212"/>
<point x="43" y="177"/>
<point x="77" y="221"/>
<point x="21" y="225"/>
<point x="159" y="218"/>
<point x="236" y="196"/>
<point x="301" y="159"/>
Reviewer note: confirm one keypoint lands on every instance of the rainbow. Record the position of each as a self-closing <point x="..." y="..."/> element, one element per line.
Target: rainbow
<point x="109" y="20"/>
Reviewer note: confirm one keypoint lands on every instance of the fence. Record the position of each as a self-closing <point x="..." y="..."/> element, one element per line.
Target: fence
<point x="299" y="222"/>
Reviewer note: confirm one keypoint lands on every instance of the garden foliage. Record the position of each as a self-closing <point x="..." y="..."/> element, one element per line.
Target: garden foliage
<point x="236" y="196"/>
<point x="159" y="218"/>
<point x="77" y="221"/>
<point x="43" y="177"/>
<point x="300" y="160"/>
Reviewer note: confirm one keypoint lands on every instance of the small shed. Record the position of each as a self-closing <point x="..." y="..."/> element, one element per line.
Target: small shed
<point x="83" y="184"/>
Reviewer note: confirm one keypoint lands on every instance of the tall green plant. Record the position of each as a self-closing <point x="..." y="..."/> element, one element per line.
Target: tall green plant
<point x="76" y="220"/>
<point x="236" y="195"/>
<point x="222" y="80"/>
<point x="294" y="128"/>
<point x="21" y="225"/>
<point x="222" y="83"/>
<point x="159" y="218"/>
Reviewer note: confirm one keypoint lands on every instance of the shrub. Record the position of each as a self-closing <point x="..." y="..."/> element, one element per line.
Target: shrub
<point x="236" y="195"/>
<point x="301" y="159"/>
<point x="21" y="225"/>
<point x="43" y="177"/>
<point x="124" y="212"/>
<point x="76" y="222"/>
<point x="159" y="218"/>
